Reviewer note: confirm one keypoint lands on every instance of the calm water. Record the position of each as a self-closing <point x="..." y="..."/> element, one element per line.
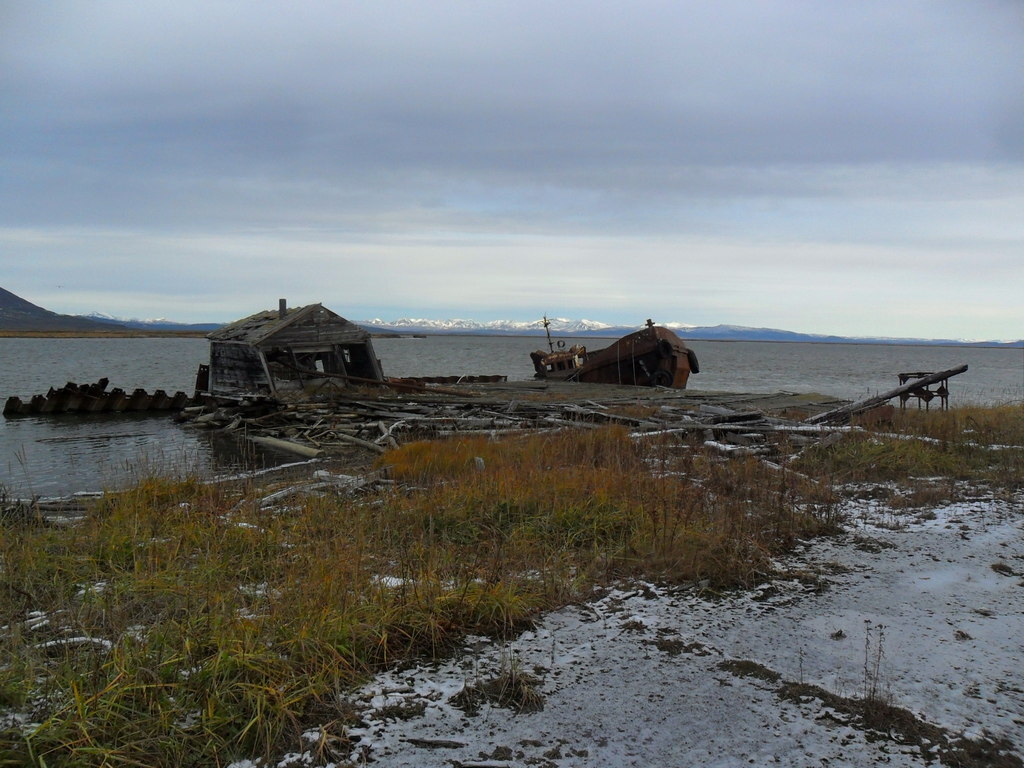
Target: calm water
<point x="850" y="371"/>
<point x="58" y="455"/>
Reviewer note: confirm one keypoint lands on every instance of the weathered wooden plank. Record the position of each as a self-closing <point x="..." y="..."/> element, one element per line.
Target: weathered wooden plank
<point x="236" y="368"/>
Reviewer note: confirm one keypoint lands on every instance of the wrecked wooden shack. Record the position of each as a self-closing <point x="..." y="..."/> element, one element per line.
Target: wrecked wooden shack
<point x="272" y="353"/>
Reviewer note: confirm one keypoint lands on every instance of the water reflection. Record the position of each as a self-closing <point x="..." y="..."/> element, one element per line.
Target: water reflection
<point x="59" y="455"/>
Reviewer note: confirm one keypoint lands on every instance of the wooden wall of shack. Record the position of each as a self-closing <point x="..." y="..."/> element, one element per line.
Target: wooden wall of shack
<point x="238" y="368"/>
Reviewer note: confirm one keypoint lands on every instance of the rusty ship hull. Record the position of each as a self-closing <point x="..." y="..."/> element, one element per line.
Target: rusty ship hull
<point x="652" y="356"/>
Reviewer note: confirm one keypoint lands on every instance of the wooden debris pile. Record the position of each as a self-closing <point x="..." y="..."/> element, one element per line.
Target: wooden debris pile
<point x="314" y="430"/>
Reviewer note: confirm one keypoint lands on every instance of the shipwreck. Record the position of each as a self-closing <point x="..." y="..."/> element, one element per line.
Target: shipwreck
<point x="272" y="353"/>
<point x="654" y="356"/>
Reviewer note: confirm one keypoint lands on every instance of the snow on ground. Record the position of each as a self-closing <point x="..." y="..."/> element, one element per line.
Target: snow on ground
<point x="926" y="607"/>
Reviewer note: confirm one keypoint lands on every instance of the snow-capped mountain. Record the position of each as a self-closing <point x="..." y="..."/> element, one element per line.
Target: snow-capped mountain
<point x="558" y="325"/>
<point x="678" y="326"/>
<point x="104" y="318"/>
<point x="152" y="324"/>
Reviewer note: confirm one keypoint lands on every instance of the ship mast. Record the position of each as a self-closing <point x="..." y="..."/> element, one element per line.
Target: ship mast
<point x="547" y="330"/>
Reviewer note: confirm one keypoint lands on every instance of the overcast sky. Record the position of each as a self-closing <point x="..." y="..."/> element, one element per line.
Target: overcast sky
<point x="850" y="167"/>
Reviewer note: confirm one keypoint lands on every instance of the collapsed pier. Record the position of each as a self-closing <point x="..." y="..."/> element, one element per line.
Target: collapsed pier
<point x="96" y="398"/>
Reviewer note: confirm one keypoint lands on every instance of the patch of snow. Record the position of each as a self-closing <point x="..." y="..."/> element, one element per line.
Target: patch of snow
<point x="635" y="677"/>
<point x="390" y="582"/>
<point x="82" y="640"/>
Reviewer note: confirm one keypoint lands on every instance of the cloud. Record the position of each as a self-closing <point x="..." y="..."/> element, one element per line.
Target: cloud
<point x="505" y="155"/>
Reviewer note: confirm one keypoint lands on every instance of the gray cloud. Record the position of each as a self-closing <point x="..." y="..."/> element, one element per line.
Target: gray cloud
<point x="453" y="141"/>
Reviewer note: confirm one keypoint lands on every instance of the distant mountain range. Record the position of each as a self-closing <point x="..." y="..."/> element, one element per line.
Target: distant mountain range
<point x="501" y="327"/>
<point x="158" y="324"/>
<point x="590" y="328"/>
<point x="17" y="314"/>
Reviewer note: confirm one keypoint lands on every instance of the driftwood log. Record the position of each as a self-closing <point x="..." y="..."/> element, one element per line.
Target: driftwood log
<point x="289" y="446"/>
<point x="843" y="414"/>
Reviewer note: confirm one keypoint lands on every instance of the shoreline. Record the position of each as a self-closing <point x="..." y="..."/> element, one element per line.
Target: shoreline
<point x="127" y="333"/>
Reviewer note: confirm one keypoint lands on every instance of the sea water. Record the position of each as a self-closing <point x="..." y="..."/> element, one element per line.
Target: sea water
<point x="57" y="455"/>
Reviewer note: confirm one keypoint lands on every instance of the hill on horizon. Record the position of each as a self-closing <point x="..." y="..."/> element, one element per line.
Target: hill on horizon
<point x="18" y="314"/>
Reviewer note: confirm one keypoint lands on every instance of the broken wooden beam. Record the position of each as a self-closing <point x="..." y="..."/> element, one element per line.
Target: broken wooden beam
<point x="345" y="438"/>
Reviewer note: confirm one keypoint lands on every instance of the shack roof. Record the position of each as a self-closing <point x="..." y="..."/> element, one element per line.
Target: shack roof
<point x="255" y="329"/>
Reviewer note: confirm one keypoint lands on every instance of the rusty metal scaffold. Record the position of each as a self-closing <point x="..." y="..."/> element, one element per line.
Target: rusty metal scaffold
<point x="926" y="393"/>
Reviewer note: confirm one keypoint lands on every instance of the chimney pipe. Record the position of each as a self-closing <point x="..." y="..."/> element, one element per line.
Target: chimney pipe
<point x="282" y="308"/>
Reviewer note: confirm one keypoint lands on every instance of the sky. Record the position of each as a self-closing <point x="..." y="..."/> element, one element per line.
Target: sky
<point x="853" y="167"/>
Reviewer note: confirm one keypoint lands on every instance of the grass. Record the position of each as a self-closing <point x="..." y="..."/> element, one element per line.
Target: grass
<point x="972" y="443"/>
<point x="183" y="624"/>
<point x="512" y="687"/>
